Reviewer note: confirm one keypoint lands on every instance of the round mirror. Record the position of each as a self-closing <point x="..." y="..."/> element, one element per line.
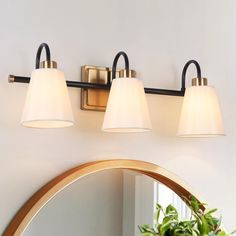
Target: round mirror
<point x="102" y="198"/>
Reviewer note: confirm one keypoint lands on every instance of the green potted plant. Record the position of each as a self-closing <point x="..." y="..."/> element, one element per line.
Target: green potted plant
<point x="200" y="223"/>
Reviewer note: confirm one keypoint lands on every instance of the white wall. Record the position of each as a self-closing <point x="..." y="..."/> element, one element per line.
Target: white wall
<point x="129" y="201"/>
<point x="90" y="206"/>
<point x="159" y="37"/>
<point x="144" y="201"/>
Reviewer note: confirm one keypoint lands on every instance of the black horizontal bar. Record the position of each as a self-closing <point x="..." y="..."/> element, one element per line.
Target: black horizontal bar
<point x="85" y="85"/>
<point x="74" y="84"/>
<point x="165" y="92"/>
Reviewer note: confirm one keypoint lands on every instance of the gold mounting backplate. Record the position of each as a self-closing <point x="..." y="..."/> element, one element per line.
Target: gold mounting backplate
<point x="96" y="99"/>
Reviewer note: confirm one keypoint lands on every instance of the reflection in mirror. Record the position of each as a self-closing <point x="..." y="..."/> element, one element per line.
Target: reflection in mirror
<point x="111" y="202"/>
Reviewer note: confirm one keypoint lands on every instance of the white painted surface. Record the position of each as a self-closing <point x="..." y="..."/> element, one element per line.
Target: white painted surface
<point x="128" y="220"/>
<point x="90" y="206"/>
<point x="159" y="37"/>
<point x="111" y="202"/>
<point x="144" y="201"/>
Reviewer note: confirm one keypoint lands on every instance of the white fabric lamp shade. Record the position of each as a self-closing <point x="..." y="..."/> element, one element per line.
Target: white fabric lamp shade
<point x="200" y="115"/>
<point x="127" y="109"/>
<point x="47" y="102"/>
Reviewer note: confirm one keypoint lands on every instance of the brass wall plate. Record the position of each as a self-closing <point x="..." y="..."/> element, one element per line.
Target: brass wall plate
<point x="96" y="99"/>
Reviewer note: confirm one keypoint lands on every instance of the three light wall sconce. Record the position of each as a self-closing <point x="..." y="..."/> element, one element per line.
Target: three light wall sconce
<point x="118" y="92"/>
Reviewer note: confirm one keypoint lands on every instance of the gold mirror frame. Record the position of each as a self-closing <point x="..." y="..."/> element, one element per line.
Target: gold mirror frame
<point x="29" y="210"/>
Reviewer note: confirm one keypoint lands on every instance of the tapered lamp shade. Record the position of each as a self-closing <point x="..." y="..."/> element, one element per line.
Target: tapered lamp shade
<point x="201" y="115"/>
<point x="47" y="102"/>
<point x="127" y="109"/>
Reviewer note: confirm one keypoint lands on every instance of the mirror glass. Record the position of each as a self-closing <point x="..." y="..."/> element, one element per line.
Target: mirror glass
<point x="107" y="203"/>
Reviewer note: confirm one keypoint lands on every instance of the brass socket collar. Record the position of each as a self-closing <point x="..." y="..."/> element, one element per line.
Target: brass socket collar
<point x="127" y="73"/>
<point x="199" y="82"/>
<point x="48" y="64"/>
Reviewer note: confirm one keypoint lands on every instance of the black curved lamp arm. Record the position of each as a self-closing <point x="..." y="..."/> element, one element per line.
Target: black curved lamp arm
<point x="199" y="74"/>
<point x="116" y="60"/>
<point x="38" y="55"/>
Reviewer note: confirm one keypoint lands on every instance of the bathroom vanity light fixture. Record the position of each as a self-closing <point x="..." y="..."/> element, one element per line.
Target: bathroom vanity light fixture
<point x="47" y="103"/>
<point x="126" y="112"/>
<point x="127" y="109"/>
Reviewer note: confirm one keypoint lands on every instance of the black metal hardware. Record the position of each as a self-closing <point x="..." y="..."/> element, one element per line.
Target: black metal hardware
<point x="38" y="55"/>
<point x="115" y="63"/>
<point x="74" y="84"/>
<point x="85" y="85"/>
<point x="168" y="92"/>
<point x="199" y="74"/>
